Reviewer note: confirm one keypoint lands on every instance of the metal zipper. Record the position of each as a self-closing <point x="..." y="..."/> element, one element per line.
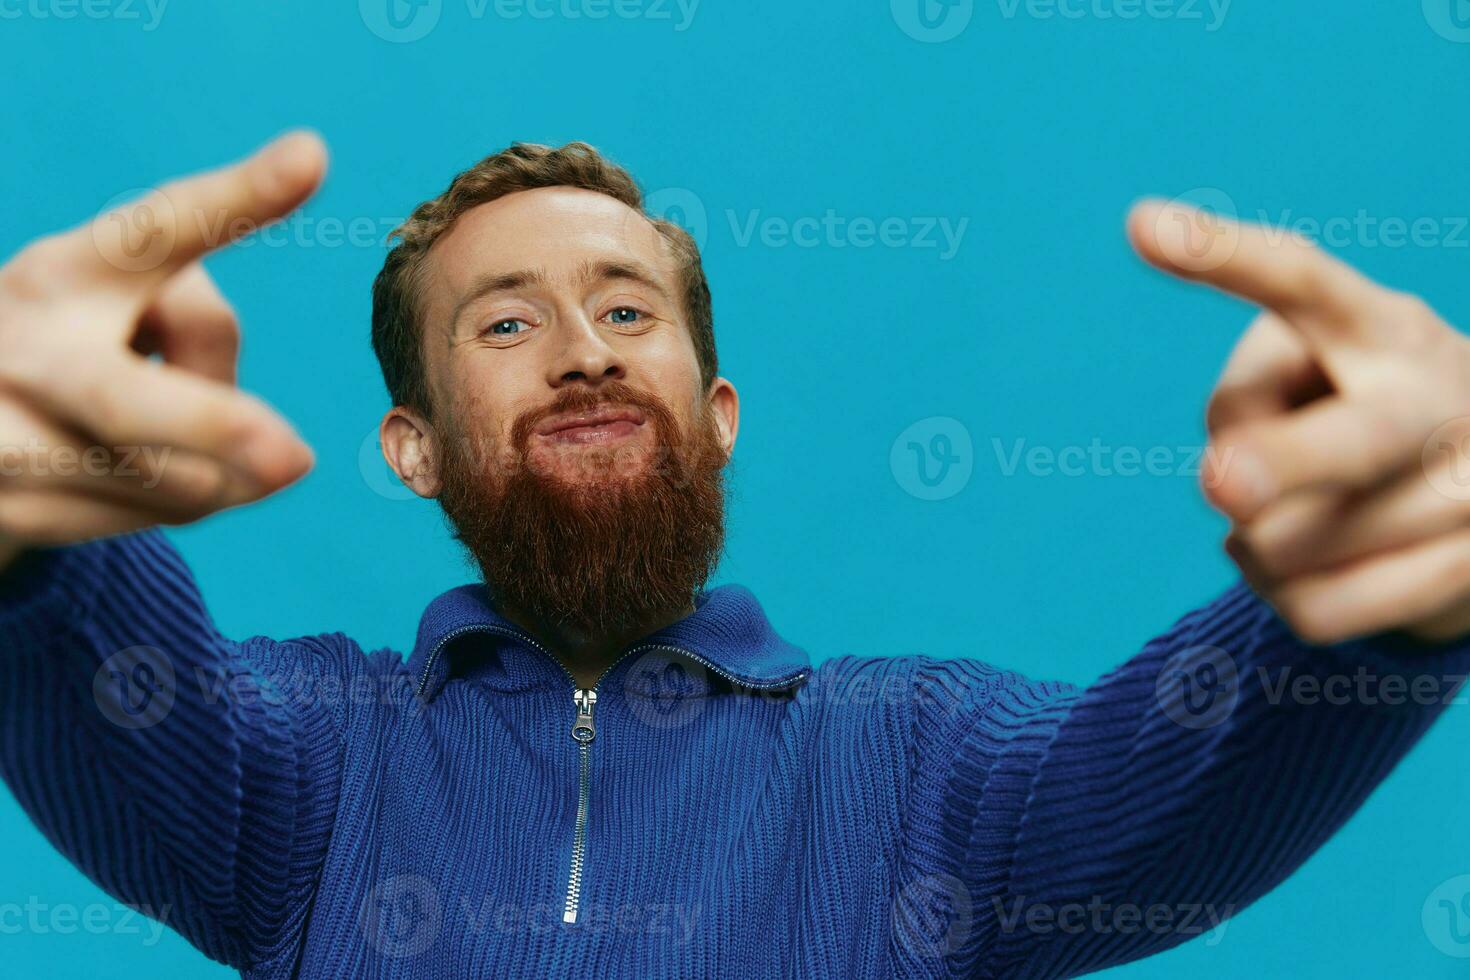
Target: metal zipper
<point x="584" y="731"/>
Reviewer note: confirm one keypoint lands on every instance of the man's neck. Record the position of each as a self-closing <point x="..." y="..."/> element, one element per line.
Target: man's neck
<point x="587" y="657"/>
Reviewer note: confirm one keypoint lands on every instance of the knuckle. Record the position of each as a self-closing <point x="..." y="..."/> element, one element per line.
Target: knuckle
<point x="194" y="489"/>
<point x="1254" y="548"/>
<point x="1459" y="562"/>
<point x="1416" y="326"/>
<point x="1306" y="619"/>
<point x="1382" y="435"/>
<point x="219" y="331"/>
<point x="98" y="392"/>
<point x="234" y="424"/>
<point x="224" y="320"/>
<point x="1410" y="307"/>
<point x="21" y="518"/>
<point x="34" y="272"/>
<point x="1310" y="252"/>
<point x="1311" y="268"/>
<point x="1219" y="410"/>
<point x="24" y="365"/>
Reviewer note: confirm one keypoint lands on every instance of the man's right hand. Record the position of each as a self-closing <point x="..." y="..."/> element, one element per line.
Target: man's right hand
<point x="96" y="437"/>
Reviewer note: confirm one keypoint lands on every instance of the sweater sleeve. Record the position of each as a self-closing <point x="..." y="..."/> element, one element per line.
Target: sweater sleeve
<point x="1060" y="831"/>
<point x="188" y="775"/>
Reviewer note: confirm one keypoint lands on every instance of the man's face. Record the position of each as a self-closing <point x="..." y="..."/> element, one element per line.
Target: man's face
<point x="552" y="294"/>
<point x="571" y="442"/>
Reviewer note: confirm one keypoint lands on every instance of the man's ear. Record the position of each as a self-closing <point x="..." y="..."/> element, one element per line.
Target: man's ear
<point x="411" y="448"/>
<point x="725" y="401"/>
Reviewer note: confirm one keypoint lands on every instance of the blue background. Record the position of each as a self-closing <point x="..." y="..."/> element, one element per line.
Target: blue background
<point x="1043" y="327"/>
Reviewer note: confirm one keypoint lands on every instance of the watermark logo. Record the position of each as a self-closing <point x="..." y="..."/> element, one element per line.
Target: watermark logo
<point x="1446" y="918"/>
<point x="376" y="472"/>
<point x="135" y="231"/>
<point x="1446" y="459"/>
<point x="1199" y="687"/>
<point x="933" y="916"/>
<point x="401" y="916"/>
<point x="1450" y="19"/>
<point x="932" y="21"/>
<point x="664" y="692"/>
<point x="933" y="458"/>
<point x="684" y="208"/>
<point x="400" y="21"/>
<point x="135" y="688"/>
<point x="1201" y="224"/>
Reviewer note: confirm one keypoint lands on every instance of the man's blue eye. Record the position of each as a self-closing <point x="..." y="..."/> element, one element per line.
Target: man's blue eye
<point x="495" y="328"/>
<point x="631" y="314"/>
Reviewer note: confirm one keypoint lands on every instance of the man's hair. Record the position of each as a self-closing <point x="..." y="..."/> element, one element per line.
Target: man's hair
<point x="397" y="291"/>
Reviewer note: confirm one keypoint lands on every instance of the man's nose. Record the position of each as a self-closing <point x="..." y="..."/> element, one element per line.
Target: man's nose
<point x="584" y="354"/>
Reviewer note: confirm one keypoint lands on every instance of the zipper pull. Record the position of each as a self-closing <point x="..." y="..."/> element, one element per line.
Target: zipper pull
<point x="583" y="730"/>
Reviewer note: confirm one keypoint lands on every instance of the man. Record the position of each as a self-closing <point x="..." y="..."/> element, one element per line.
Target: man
<point x="591" y="764"/>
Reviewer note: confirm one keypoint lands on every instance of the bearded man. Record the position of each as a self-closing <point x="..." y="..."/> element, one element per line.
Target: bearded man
<point x="591" y="763"/>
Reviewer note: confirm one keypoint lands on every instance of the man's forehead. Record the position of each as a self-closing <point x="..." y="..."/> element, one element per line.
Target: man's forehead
<point x="557" y="230"/>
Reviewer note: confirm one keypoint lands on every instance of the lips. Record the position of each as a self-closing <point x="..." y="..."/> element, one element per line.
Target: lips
<point x="609" y="420"/>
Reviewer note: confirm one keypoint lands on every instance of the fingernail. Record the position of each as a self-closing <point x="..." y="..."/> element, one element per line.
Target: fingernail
<point x="273" y="459"/>
<point x="1171" y="228"/>
<point x="284" y="165"/>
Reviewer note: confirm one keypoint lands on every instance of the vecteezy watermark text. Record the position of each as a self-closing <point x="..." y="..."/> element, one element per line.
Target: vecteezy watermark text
<point x="404" y="21"/>
<point x="1101" y="917"/>
<point x="148" y="13"/>
<point x="37" y="917"/>
<point x="1100" y="459"/>
<point x="37" y="459"/>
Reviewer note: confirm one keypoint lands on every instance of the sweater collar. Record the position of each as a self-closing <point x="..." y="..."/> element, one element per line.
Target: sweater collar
<point x="728" y="633"/>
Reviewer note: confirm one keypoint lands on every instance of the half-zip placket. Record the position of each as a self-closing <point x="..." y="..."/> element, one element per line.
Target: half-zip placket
<point x="584" y="731"/>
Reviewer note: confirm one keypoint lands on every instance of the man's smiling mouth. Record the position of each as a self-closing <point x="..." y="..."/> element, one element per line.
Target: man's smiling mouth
<point x="598" y="426"/>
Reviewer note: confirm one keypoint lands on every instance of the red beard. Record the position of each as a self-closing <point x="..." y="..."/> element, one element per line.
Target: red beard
<point x="594" y="540"/>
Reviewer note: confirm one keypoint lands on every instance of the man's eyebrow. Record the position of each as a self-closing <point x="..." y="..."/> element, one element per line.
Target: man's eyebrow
<point x="635" y="272"/>
<point x="604" y="270"/>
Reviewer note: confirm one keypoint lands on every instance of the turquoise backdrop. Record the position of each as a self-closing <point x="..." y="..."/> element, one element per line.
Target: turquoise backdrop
<point x="912" y="215"/>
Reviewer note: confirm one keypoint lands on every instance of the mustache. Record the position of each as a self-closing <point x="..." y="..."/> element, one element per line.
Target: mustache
<point x="579" y="398"/>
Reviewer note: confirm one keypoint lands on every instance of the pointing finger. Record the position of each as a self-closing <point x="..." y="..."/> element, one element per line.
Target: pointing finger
<point x="125" y="401"/>
<point x="1327" y="300"/>
<point x="148" y="240"/>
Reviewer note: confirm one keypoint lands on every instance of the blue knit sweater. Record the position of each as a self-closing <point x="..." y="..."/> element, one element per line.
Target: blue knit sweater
<point x="299" y="808"/>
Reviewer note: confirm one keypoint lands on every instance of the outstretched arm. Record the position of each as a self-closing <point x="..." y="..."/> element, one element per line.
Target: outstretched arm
<point x="188" y="775"/>
<point x="1082" y="829"/>
<point x="185" y="773"/>
<point x="1087" y="828"/>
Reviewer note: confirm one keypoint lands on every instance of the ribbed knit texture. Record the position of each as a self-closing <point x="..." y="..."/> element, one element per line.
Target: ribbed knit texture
<point x="304" y="809"/>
